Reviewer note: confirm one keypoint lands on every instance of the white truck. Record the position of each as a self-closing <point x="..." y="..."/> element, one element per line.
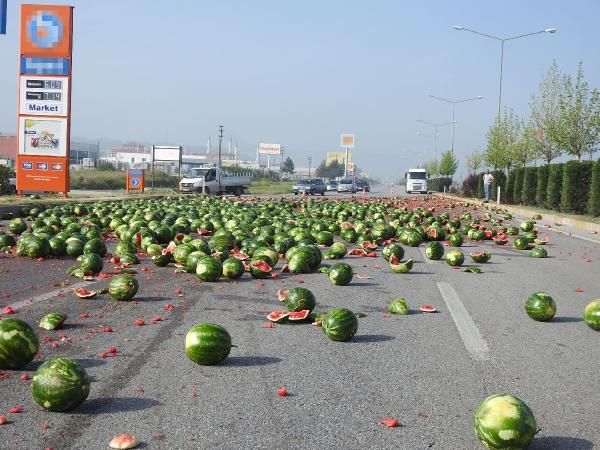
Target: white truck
<point x="416" y="181"/>
<point x="212" y="180"/>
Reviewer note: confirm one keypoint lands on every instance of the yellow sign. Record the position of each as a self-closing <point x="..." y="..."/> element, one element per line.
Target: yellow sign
<point x="340" y="157"/>
<point x="347" y="140"/>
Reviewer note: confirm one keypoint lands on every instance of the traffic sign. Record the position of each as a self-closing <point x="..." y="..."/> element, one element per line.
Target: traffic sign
<point x="135" y="182"/>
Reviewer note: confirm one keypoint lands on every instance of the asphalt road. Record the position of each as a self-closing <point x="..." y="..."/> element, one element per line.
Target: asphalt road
<point x="429" y="371"/>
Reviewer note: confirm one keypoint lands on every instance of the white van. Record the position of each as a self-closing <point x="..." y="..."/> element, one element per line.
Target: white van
<point x="416" y="181"/>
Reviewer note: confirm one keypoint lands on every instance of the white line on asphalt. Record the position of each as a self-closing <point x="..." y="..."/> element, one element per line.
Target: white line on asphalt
<point x="577" y="236"/>
<point x="469" y="333"/>
<point x="48" y="295"/>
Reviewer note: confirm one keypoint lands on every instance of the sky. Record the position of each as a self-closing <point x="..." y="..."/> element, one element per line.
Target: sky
<point x="300" y="73"/>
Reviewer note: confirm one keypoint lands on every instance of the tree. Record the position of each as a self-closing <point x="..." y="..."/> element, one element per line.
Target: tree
<point x="504" y="141"/>
<point x="332" y="170"/>
<point x="448" y="164"/>
<point x="545" y="115"/>
<point x="578" y="130"/>
<point x="288" y="165"/>
<point x="432" y="167"/>
<point x="474" y="161"/>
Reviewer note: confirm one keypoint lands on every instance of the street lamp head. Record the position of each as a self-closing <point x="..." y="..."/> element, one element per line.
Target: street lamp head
<point x="459" y="27"/>
<point x="479" y="97"/>
<point x="550" y="30"/>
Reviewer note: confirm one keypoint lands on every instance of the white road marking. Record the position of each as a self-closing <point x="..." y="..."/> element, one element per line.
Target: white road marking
<point x="51" y="294"/>
<point x="469" y="333"/>
<point x="576" y="236"/>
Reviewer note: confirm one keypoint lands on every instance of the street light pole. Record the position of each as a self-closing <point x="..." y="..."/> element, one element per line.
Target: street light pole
<point x="502" y="41"/>
<point x="454" y="103"/>
<point x="436" y="133"/>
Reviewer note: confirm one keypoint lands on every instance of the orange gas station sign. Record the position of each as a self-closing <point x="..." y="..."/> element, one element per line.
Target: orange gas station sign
<point x="44" y="113"/>
<point x="135" y="180"/>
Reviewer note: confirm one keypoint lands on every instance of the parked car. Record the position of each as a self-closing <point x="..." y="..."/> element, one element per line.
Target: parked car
<point x="346" y="185"/>
<point x="363" y="185"/>
<point x="313" y="186"/>
<point x="332" y="185"/>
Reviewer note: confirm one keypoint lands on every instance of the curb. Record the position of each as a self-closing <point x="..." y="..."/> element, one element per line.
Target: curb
<point x="519" y="210"/>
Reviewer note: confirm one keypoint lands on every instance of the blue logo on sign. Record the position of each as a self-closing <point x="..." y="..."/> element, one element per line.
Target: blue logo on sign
<point x="41" y="166"/>
<point x="44" y="66"/>
<point x="45" y="29"/>
<point x="135" y="182"/>
<point x="27" y="166"/>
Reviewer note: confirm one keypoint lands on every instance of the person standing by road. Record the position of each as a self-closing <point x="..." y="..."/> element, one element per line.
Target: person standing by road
<point x="487" y="184"/>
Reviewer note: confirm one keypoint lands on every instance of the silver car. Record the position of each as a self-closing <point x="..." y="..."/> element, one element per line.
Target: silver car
<point x="332" y="185"/>
<point x="346" y="185"/>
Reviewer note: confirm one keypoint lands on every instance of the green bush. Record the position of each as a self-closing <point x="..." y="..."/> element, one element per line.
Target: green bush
<point x="594" y="203"/>
<point x="469" y="186"/>
<point x="5" y="186"/>
<point x="575" y="192"/>
<point x="510" y="186"/>
<point x="529" y="186"/>
<point x="438" y="184"/>
<point x="542" y="185"/>
<point x="518" y="186"/>
<point x="554" y="187"/>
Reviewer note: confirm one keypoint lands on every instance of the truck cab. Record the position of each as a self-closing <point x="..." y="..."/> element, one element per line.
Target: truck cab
<point x="416" y="181"/>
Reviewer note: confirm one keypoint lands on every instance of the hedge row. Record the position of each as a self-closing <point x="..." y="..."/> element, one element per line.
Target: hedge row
<point x="438" y="184"/>
<point x="571" y="187"/>
<point x="106" y="180"/>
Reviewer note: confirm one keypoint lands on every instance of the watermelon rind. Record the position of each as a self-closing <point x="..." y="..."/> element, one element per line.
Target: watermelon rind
<point x="60" y="384"/>
<point x="591" y="315"/>
<point x="540" y="306"/>
<point x="278" y="316"/>
<point x="504" y="422"/>
<point x="398" y="306"/>
<point x="480" y="257"/>
<point x="52" y="321"/>
<point x="299" y="316"/>
<point x="404" y="267"/>
<point x="18" y="343"/>
<point x="207" y="344"/>
<point x="340" y="324"/>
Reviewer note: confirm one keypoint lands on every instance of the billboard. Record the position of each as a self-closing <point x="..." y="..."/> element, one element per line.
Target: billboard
<point x="3" y="16"/>
<point x="43" y="136"/>
<point x="46" y="30"/>
<point x="166" y="153"/>
<point x="347" y="140"/>
<point x="269" y="149"/>
<point x="44" y="96"/>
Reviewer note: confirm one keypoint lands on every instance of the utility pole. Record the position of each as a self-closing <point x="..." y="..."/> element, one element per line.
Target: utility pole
<point x="220" y="142"/>
<point x="309" y="163"/>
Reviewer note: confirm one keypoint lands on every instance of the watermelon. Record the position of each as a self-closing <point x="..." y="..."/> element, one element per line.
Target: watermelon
<point x="399" y="267"/>
<point x="504" y="422"/>
<point x="278" y="316"/>
<point x="260" y="267"/>
<point x="124" y="247"/>
<point x="84" y="293"/>
<point x="17" y="226"/>
<point x="52" y="321"/>
<point x="412" y="238"/>
<point x="340" y="324"/>
<point x="434" y="250"/>
<point x="538" y="252"/>
<point x="521" y="243"/>
<point x="6" y="240"/>
<point x="123" y="287"/>
<point x="181" y="253"/>
<point x="456" y="240"/>
<point x="540" y="306"/>
<point x="591" y="315"/>
<point x="267" y="251"/>
<point x="91" y="262"/>
<point x="18" y="343"/>
<point x="154" y="249"/>
<point x="299" y="299"/>
<point x="162" y="260"/>
<point x="38" y="247"/>
<point x="455" y="258"/>
<point x="480" y="257"/>
<point x="340" y="274"/>
<point x="128" y="258"/>
<point x="298" y="316"/>
<point x="324" y="238"/>
<point x="60" y="384"/>
<point x="209" y="269"/>
<point x="207" y="344"/>
<point x="349" y="235"/>
<point x="338" y="249"/>
<point x="96" y="246"/>
<point x="427" y="308"/>
<point x="75" y="247"/>
<point x="58" y="247"/>
<point x="527" y="225"/>
<point x="233" y="268"/>
<point x="398" y="306"/>
<point x="392" y="249"/>
<point x="191" y="263"/>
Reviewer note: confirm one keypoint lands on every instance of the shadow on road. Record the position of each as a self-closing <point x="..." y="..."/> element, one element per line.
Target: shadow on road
<point x="249" y="361"/>
<point x="114" y="405"/>
<point x="566" y="319"/>
<point x="368" y="338"/>
<point x="555" y="442"/>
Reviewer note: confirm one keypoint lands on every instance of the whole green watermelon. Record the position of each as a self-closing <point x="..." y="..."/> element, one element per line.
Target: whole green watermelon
<point x="123" y="287"/>
<point x="96" y="246"/>
<point x="456" y="240"/>
<point x="538" y="252"/>
<point x="299" y="299"/>
<point x="58" y="247"/>
<point x="591" y="315"/>
<point x="75" y="247"/>
<point x="60" y="384"/>
<point x="38" y="247"/>
<point x="434" y="250"/>
<point x="233" y="268"/>
<point x="6" y="240"/>
<point x="91" y="262"/>
<point x="17" y="226"/>
<point x="18" y="343"/>
<point x="521" y="243"/>
<point x="207" y="344"/>
<point x="340" y="324"/>
<point x="124" y="247"/>
<point x="340" y="274"/>
<point x="504" y="422"/>
<point x="162" y="260"/>
<point x="455" y="258"/>
<point x="209" y="268"/>
<point x="540" y="306"/>
<point x="181" y="253"/>
<point x="393" y="249"/>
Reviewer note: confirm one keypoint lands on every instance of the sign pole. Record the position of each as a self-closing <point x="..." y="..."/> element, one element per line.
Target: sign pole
<point x="346" y="164"/>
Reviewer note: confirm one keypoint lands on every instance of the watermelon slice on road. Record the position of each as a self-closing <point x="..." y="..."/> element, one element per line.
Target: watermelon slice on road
<point x="278" y="316"/>
<point x="84" y="293"/>
<point x="298" y="316"/>
<point x="427" y="308"/>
